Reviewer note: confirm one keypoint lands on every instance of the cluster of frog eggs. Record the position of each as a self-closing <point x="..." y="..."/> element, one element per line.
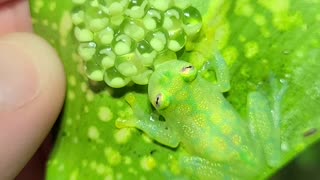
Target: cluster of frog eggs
<point x="120" y="41"/>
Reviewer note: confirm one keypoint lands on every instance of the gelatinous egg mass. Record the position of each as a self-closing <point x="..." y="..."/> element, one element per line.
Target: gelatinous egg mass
<point x="120" y="41"/>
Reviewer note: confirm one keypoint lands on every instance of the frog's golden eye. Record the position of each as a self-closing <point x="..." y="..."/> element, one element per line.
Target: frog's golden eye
<point x="161" y="101"/>
<point x="189" y="73"/>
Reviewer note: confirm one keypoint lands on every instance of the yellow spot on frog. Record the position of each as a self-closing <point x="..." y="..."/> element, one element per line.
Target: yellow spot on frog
<point x="226" y="129"/>
<point x="251" y="49"/>
<point x="200" y="120"/>
<point x="216" y="120"/>
<point x="184" y="108"/>
<point x="105" y="114"/>
<point x="218" y="142"/>
<point x="236" y="139"/>
<point x="113" y="157"/>
<point x="148" y="163"/>
<point x="182" y="95"/>
<point x="93" y="133"/>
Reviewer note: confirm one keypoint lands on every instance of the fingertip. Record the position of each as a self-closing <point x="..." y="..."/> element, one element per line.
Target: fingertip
<point x="32" y="90"/>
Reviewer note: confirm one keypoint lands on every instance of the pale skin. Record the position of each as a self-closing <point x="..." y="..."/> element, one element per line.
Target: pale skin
<point x="198" y="118"/>
<point x="25" y="117"/>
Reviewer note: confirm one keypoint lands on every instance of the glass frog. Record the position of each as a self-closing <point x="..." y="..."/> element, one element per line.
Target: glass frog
<point x="219" y="143"/>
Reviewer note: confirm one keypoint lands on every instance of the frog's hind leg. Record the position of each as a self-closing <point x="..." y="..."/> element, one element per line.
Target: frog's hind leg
<point x="264" y="130"/>
<point x="201" y="168"/>
<point x="219" y="66"/>
<point x="264" y="120"/>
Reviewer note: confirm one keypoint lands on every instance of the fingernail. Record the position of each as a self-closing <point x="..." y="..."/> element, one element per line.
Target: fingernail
<point x="19" y="81"/>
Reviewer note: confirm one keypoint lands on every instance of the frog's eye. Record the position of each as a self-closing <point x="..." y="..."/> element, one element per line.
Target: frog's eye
<point x="189" y="73"/>
<point x="161" y="101"/>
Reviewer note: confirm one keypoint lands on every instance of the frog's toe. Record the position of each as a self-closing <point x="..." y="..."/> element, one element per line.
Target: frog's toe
<point x="130" y="98"/>
<point x="125" y="123"/>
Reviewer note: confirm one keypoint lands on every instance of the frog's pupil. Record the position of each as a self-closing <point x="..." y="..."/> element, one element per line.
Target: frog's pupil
<point x="188" y="68"/>
<point x="157" y="100"/>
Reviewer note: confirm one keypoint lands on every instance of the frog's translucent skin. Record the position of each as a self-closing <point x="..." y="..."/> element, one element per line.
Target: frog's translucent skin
<point x="198" y="117"/>
<point x="119" y="40"/>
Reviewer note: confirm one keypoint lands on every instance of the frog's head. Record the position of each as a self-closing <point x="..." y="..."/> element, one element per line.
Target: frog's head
<point x="168" y="80"/>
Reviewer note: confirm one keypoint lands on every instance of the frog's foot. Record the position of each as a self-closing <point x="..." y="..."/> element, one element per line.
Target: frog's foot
<point x="125" y="123"/>
<point x="140" y="106"/>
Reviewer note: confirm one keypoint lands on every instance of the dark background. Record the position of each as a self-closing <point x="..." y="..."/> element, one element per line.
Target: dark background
<point x="305" y="166"/>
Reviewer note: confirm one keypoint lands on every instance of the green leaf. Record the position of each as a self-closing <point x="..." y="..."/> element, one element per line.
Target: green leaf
<point x="258" y="39"/>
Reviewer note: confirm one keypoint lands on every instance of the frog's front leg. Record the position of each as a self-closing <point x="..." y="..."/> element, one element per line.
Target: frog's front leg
<point x="219" y="66"/>
<point x="147" y="121"/>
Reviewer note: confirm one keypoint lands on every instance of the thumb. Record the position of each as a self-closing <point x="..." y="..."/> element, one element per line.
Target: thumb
<point x="32" y="89"/>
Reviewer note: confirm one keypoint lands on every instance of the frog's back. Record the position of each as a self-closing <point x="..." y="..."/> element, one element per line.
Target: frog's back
<point x="204" y="120"/>
<point x="217" y="132"/>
